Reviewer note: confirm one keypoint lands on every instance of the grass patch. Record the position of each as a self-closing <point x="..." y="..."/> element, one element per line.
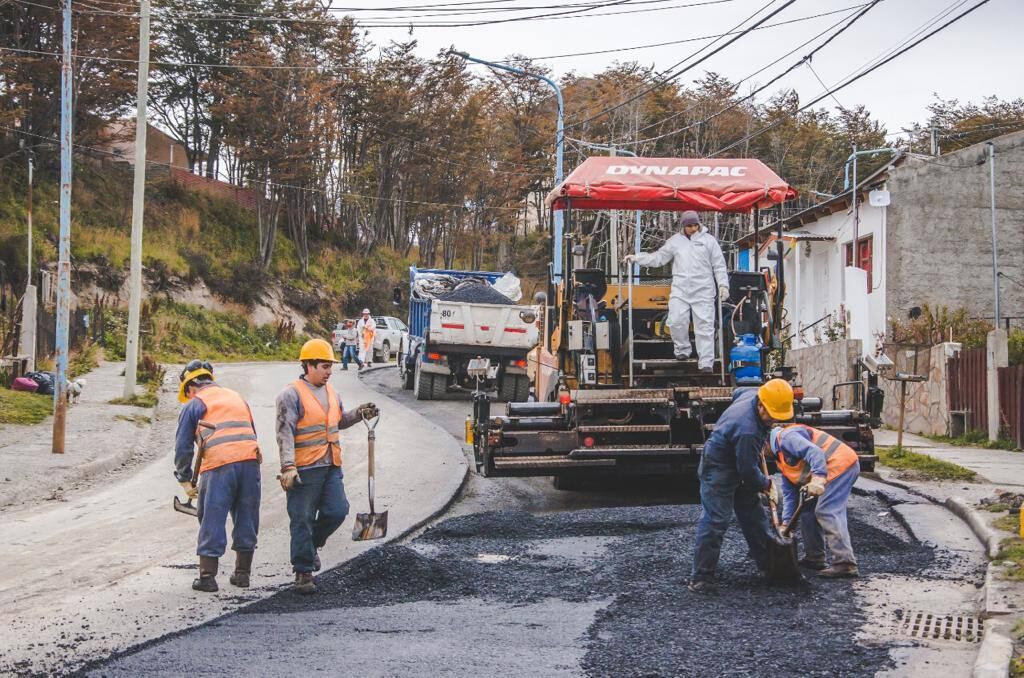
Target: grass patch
<point x="148" y="399"/>
<point x="996" y="508"/>
<point x="84" y="360"/>
<point x="921" y="466"/>
<point x="1011" y="554"/>
<point x="21" y="407"/>
<point x="976" y="439"/>
<point x="1009" y="523"/>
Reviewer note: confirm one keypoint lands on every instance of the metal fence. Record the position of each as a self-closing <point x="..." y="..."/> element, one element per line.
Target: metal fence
<point x="968" y="393"/>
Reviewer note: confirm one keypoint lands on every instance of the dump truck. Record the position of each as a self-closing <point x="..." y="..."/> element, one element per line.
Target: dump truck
<point x="611" y="397"/>
<point x="445" y="336"/>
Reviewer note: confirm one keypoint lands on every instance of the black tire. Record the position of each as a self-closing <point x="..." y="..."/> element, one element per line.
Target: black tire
<point x="513" y="388"/>
<point x="404" y="373"/>
<point x="423" y="382"/>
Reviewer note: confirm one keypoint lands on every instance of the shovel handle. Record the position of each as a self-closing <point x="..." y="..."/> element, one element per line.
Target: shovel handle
<point x="796" y="513"/>
<point x="371" y="438"/>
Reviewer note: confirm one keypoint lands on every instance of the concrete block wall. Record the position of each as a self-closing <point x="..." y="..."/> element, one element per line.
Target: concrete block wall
<point x="822" y="366"/>
<point x="927" y="410"/>
<point x="939" y="242"/>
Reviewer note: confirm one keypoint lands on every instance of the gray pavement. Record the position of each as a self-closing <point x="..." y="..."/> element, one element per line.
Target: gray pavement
<point x="111" y="565"/>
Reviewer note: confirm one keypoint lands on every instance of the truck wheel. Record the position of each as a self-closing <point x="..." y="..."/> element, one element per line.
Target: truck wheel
<point x="405" y="375"/>
<point x="423" y="383"/>
<point x="567" y="483"/>
<point x="513" y="388"/>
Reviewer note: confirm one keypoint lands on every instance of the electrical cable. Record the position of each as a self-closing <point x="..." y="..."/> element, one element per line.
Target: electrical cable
<point x="851" y="80"/>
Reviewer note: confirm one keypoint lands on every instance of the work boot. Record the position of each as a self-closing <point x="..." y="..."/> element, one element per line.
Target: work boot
<point x="706" y="370"/>
<point x="243" y="566"/>
<point x="840" y="571"/>
<point x="207" y="581"/>
<point x="702" y="586"/>
<point x="813" y="564"/>
<point x="304" y="583"/>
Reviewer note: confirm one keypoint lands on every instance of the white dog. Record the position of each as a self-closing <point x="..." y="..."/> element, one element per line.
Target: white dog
<point x="75" y="389"/>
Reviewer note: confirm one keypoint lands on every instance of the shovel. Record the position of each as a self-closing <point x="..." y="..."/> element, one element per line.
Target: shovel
<point x="370" y="525"/>
<point x="188" y="507"/>
<point x="783" y="567"/>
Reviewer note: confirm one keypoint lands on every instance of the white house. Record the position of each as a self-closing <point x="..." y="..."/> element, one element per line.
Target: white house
<point x="923" y="236"/>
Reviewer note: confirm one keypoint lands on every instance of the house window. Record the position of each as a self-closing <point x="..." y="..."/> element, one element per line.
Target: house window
<point x="863" y="262"/>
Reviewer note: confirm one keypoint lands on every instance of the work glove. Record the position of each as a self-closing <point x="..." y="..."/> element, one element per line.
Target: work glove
<point x="816" y="486"/>
<point x="629" y="258"/>
<point x="190" y="490"/>
<point x="289" y="478"/>
<point x="368" y="411"/>
<point x="723" y="292"/>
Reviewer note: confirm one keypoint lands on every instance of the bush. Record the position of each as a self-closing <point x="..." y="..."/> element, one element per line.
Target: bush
<point x="938" y="325"/>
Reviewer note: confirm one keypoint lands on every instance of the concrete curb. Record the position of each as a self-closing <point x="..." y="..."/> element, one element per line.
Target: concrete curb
<point x="996" y="651"/>
<point x="969" y="515"/>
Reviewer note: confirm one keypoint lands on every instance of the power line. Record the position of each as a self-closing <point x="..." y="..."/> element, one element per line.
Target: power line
<point x="851" y="80"/>
<point x="763" y="87"/>
<point x="662" y="81"/>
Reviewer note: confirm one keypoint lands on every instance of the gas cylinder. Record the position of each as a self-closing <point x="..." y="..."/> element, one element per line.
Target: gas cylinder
<point x="745" y="360"/>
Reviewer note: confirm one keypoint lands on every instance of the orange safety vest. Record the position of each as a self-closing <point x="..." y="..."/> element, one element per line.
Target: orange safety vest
<point x="838" y="456"/>
<point x="369" y="330"/>
<point x="318" y="429"/>
<point x="233" y="437"/>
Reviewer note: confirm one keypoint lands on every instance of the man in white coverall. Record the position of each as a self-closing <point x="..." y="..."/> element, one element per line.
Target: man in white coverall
<point x="697" y="268"/>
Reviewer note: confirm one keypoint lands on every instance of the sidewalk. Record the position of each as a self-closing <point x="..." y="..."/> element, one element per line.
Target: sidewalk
<point x="99" y="437"/>
<point x="996" y="470"/>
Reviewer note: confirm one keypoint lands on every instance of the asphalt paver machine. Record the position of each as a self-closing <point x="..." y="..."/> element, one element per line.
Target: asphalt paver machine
<point x="610" y="397"/>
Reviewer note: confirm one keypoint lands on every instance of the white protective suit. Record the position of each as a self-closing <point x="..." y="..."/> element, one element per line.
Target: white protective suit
<point x="698" y="270"/>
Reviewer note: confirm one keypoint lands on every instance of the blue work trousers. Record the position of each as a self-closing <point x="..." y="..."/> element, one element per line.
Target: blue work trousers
<point x="823" y="521"/>
<point x="232" y="489"/>
<point x="722" y="494"/>
<point x="316" y="507"/>
<point x="350" y="352"/>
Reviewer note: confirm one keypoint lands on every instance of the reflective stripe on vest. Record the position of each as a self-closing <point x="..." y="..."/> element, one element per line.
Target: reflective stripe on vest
<point x="232" y="437"/>
<point x="318" y="429"/>
<point x="838" y="456"/>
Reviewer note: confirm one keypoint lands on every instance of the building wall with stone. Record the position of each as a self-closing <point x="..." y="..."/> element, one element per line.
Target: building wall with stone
<point x="939" y="244"/>
<point x="927" y="410"/>
<point x="822" y="366"/>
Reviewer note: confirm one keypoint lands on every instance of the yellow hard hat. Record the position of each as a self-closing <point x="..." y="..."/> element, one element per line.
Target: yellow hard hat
<point x="777" y="397"/>
<point x="187" y="377"/>
<point x="317" y="349"/>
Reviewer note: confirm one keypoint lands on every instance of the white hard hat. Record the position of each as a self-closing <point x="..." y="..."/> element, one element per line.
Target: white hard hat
<point x="366" y="311"/>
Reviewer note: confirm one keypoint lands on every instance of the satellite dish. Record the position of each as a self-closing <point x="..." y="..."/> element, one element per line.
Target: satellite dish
<point x="878" y="198"/>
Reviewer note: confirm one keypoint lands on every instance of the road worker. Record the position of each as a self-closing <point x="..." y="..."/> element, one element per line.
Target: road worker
<point x="219" y="422"/>
<point x="731" y="479"/>
<point x="367" y="329"/>
<point x="826" y="468"/>
<point x="697" y="268"/>
<point x="309" y="416"/>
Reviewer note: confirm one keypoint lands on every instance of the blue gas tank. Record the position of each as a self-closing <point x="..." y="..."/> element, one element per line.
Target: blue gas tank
<point x="745" y="360"/>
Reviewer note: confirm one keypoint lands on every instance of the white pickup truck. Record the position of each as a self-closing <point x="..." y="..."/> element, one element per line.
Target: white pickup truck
<point x="445" y="335"/>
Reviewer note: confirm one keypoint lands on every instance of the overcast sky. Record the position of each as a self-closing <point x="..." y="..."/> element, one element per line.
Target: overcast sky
<point x="980" y="55"/>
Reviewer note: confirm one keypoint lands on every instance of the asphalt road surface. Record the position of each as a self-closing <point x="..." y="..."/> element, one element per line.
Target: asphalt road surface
<point x="522" y="579"/>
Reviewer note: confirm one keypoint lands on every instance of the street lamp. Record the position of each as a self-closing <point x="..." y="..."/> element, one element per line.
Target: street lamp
<point x="559" y="144"/>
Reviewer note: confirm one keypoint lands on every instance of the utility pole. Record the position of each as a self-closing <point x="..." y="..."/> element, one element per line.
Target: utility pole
<point x="934" y="136"/>
<point x="996" y="354"/>
<point x="613" y="242"/>
<point x="64" y="246"/>
<point x="28" y="302"/>
<point x="131" y="347"/>
<point x="856" y="214"/>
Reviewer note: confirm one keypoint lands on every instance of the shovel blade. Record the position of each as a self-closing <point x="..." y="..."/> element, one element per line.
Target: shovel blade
<point x="187" y="507"/>
<point x="782" y="562"/>
<point x="370" y="526"/>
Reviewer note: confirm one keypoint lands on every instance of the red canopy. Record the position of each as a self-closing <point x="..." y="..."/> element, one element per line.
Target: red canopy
<point x="703" y="184"/>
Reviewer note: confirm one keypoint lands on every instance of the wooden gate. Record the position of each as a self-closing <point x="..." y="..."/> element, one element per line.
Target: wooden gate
<point x="968" y="390"/>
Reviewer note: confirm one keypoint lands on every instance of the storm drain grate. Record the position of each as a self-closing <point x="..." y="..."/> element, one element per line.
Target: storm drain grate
<point x="952" y="627"/>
